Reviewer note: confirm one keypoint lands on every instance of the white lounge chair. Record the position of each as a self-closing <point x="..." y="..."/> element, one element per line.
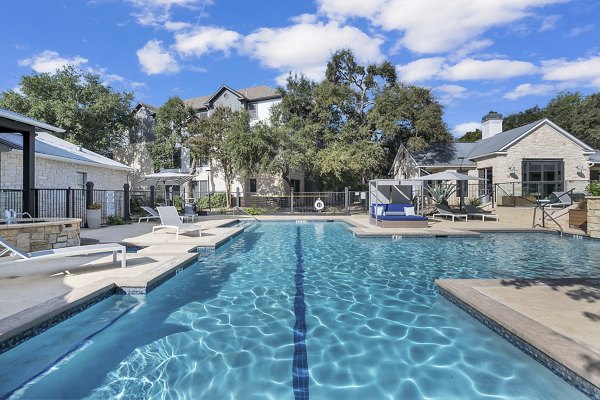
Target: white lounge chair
<point x="151" y="214"/>
<point x="476" y="212"/>
<point x="66" y="251"/>
<point x="444" y="211"/>
<point x="169" y="218"/>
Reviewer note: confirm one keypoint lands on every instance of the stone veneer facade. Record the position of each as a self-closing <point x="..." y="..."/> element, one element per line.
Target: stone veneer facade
<point x="543" y="143"/>
<point x="593" y="216"/>
<point x="45" y="235"/>
<point x="55" y="174"/>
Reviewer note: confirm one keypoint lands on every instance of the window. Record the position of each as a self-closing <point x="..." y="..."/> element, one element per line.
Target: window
<point x="81" y="180"/>
<point x="485" y="186"/>
<point x="177" y="158"/>
<point x="252" y="111"/>
<point x="542" y="177"/>
<point x="252" y="185"/>
<point x="295" y="184"/>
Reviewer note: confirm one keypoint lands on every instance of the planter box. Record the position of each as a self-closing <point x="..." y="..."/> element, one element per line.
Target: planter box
<point x="578" y="219"/>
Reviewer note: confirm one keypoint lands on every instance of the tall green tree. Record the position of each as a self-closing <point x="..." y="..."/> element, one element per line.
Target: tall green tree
<point x="170" y="131"/>
<point x="216" y="139"/>
<point x="93" y="114"/>
<point x="524" y="117"/>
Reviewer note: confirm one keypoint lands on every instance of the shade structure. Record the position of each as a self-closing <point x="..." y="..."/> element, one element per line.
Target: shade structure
<point x="448" y="176"/>
<point x="166" y="178"/>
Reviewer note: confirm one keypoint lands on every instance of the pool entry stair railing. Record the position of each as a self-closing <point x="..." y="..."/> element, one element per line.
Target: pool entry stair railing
<point x="542" y="208"/>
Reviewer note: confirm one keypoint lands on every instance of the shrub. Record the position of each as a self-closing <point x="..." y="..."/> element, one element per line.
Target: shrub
<point x="217" y="200"/>
<point x="178" y="203"/>
<point x="113" y="220"/>
<point x="441" y="193"/>
<point x="255" y="210"/>
<point x="475" y="202"/>
<point x="95" y="206"/>
<point x="593" y="188"/>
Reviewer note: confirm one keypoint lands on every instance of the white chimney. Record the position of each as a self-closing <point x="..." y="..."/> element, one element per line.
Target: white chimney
<point x="491" y="124"/>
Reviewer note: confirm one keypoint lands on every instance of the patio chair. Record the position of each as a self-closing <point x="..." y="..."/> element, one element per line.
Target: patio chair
<point x="563" y="199"/>
<point x="170" y="219"/>
<point x="65" y="251"/>
<point x="476" y="212"/>
<point x="151" y="214"/>
<point x="444" y="211"/>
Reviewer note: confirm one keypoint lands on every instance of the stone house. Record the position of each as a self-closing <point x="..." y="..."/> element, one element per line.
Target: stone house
<point x="59" y="165"/>
<point x="533" y="161"/>
<point x="257" y="100"/>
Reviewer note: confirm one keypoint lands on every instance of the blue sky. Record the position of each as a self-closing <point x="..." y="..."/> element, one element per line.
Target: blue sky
<point x="476" y="55"/>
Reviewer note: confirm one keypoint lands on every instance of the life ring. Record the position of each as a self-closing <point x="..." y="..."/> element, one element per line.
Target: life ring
<point x="319" y="205"/>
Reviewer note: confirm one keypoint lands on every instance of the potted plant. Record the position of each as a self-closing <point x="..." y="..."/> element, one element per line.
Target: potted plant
<point x="93" y="215"/>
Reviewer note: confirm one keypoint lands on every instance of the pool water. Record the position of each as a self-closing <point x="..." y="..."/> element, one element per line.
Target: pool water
<point x="291" y="310"/>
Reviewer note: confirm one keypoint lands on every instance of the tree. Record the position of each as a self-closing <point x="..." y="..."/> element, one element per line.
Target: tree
<point x="525" y="117"/>
<point x="564" y="110"/>
<point x="170" y="131"/>
<point x="215" y="139"/>
<point x="410" y="115"/>
<point x="470" y="137"/>
<point x="93" y="114"/>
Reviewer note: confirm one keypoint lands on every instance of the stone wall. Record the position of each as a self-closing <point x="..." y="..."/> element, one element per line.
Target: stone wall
<point x="593" y="216"/>
<point x="543" y="143"/>
<point x="42" y="235"/>
<point x="54" y="174"/>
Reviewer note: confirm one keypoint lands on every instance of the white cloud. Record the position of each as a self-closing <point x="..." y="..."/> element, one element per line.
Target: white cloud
<point x="447" y="93"/>
<point x="158" y="12"/>
<point x="469" y="48"/>
<point x="176" y="26"/>
<point x="584" y="70"/>
<point x="304" y="19"/>
<point x="436" y="25"/>
<point x="460" y="129"/>
<point x="470" y="69"/>
<point x="307" y="47"/>
<point x="549" y="22"/>
<point x="49" y="61"/>
<point x="205" y="40"/>
<point x="467" y="69"/>
<point x="579" y="30"/>
<point x="154" y="59"/>
<point x="528" y="89"/>
<point x="421" y="69"/>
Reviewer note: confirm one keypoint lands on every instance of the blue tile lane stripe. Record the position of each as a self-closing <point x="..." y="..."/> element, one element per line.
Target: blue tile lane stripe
<point x="300" y="362"/>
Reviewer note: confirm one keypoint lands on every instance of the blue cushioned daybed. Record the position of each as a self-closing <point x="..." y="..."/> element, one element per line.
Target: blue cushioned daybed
<point x="394" y="216"/>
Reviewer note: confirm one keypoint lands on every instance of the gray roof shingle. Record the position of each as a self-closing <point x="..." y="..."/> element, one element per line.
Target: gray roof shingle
<point x="445" y="154"/>
<point x="253" y="93"/>
<point x="50" y="145"/>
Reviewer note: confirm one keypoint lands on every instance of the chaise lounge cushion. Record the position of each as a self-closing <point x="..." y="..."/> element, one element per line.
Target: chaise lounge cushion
<point x="395" y="212"/>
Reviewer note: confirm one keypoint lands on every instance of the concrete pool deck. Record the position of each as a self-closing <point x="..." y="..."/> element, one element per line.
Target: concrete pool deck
<point x="559" y="318"/>
<point x="33" y="292"/>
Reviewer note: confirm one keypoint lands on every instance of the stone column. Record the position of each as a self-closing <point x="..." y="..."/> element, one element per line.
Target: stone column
<point x="593" y="216"/>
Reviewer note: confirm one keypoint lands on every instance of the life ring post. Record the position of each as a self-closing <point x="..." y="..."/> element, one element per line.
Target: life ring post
<point x="319" y="205"/>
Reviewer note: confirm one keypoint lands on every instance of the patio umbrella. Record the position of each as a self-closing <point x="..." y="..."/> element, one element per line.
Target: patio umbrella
<point x="449" y="176"/>
<point x="166" y="178"/>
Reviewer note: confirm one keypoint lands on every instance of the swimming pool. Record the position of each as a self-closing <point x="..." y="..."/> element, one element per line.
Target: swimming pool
<point x="290" y="310"/>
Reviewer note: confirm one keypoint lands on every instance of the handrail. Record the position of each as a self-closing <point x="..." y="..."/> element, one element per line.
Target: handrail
<point x="544" y="214"/>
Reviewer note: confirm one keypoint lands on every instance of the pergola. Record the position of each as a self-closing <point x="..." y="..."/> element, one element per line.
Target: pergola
<point x="11" y="122"/>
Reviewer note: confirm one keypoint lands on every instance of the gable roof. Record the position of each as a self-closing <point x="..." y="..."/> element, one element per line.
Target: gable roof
<point x="447" y="154"/>
<point x="150" y="107"/>
<point x="49" y="146"/>
<point x="253" y="93"/>
<point x="503" y="140"/>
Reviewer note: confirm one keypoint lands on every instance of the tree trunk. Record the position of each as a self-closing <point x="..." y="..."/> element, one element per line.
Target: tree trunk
<point x="227" y="172"/>
<point x="189" y="185"/>
<point x="285" y="172"/>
